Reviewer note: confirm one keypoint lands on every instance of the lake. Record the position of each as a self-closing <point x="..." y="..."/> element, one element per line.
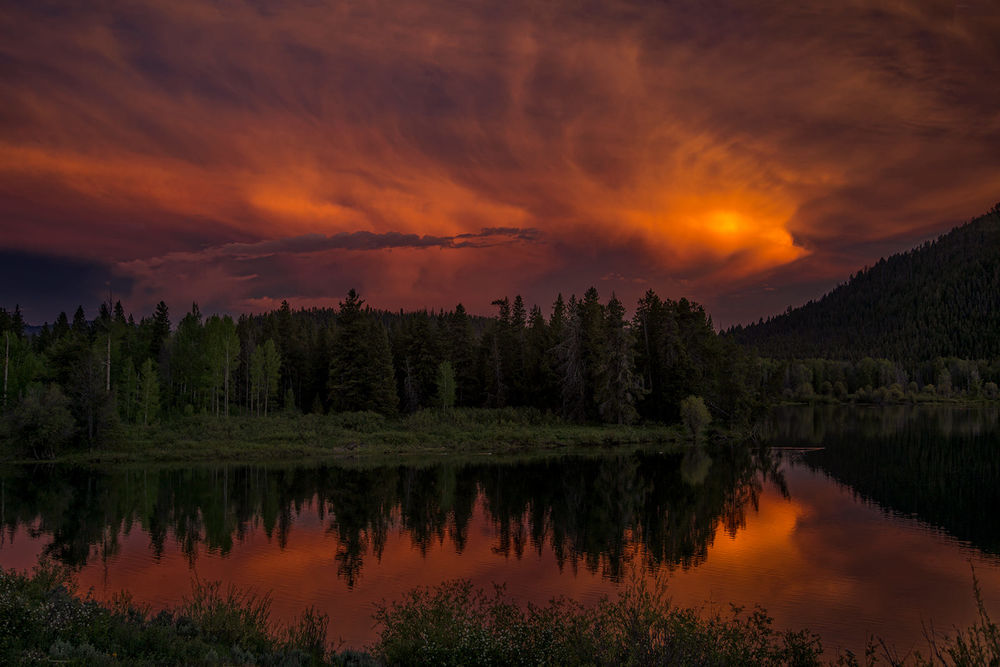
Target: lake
<point x="850" y="521"/>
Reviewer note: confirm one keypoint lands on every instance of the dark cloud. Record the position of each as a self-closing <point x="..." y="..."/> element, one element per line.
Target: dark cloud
<point x="45" y="285"/>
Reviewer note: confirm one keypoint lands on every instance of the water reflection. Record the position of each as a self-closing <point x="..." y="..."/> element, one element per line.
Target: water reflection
<point x="604" y="514"/>
<point x="838" y="539"/>
<point x="940" y="464"/>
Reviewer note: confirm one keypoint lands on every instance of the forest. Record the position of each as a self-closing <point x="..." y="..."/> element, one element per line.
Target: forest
<point x="940" y="299"/>
<point x="78" y="381"/>
<point x="923" y="325"/>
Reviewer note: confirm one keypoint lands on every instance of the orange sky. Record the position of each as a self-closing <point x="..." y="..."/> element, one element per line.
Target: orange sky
<point x="748" y="155"/>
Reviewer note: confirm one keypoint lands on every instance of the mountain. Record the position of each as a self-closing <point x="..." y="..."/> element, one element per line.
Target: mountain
<point x="940" y="299"/>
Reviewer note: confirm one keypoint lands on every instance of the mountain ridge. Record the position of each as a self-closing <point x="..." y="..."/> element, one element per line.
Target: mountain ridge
<point x="938" y="299"/>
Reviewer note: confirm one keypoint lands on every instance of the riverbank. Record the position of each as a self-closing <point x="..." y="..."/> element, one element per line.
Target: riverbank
<point x="363" y="435"/>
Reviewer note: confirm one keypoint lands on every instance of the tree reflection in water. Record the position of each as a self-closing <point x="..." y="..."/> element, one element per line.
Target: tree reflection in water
<point x="938" y="463"/>
<point x="603" y="513"/>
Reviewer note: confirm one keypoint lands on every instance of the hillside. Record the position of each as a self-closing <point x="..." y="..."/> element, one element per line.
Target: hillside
<point x="939" y="299"/>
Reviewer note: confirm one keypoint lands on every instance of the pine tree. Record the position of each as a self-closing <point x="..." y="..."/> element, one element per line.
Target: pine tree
<point x="80" y="327"/>
<point x="361" y="371"/>
<point x="594" y="342"/>
<point x="461" y="351"/>
<point x="160" y="329"/>
<point x="572" y="371"/>
<point x="617" y="394"/>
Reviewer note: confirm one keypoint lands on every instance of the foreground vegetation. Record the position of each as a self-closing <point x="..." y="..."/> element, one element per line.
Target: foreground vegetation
<point x="44" y="620"/>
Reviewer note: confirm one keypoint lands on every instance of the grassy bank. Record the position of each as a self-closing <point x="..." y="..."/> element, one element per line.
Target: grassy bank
<point x="44" y="620"/>
<point x="299" y="437"/>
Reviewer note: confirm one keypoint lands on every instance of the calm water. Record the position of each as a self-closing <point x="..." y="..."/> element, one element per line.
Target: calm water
<point x="853" y="522"/>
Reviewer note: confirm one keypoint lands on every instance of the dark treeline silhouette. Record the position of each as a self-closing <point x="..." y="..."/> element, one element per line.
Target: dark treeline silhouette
<point x="877" y="380"/>
<point x="596" y="509"/>
<point x="941" y="299"/>
<point x="584" y="360"/>
<point x="937" y="463"/>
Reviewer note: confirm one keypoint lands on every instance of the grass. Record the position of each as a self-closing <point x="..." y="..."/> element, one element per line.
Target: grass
<point x="361" y="435"/>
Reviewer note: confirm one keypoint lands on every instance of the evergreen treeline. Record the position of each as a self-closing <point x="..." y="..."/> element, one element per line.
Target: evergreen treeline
<point x="941" y="299"/>
<point x="871" y="380"/>
<point x="79" y="379"/>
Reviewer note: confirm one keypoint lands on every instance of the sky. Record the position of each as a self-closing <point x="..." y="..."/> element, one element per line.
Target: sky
<point x="747" y="155"/>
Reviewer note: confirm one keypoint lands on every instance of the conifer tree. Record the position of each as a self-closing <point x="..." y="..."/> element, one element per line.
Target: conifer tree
<point x="570" y="353"/>
<point x="361" y="371"/>
<point x="160" y="329"/>
<point x="617" y="393"/>
<point x="461" y="351"/>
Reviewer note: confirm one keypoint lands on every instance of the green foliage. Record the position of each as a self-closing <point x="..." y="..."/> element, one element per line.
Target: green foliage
<point x="42" y="620"/>
<point x="446" y="385"/>
<point x="456" y="624"/>
<point x="41" y="425"/>
<point x="695" y="415"/>
<point x="619" y="387"/>
<point x="361" y="370"/>
<point x="223" y="347"/>
<point x="228" y="616"/>
<point x="19" y="366"/>
<point x="365" y="421"/>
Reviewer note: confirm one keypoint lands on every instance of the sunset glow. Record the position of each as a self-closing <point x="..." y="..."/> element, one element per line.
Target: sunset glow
<point x="709" y="151"/>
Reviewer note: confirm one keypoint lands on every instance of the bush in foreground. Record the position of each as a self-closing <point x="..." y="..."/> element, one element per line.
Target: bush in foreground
<point x="455" y="624"/>
<point x="44" y="620"/>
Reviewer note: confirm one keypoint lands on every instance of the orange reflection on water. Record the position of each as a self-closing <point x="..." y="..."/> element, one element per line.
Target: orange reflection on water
<point x="821" y="559"/>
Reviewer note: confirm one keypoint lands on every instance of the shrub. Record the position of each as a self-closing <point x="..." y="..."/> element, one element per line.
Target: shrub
<point x="43" y="620"/>
<point x="455" y="624"/>
<point x="695" y="415"/>
<point x="362" y="422"/>
<point x="41" y="425"/>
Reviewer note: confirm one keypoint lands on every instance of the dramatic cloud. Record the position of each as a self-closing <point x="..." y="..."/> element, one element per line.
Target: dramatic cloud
<point x="748" y="155"/>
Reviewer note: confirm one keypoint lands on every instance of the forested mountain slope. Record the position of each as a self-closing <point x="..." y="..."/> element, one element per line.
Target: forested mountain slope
<point x="940" y="299"/>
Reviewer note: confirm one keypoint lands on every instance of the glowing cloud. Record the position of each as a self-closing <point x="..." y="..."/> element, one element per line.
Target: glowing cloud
<point x="704" y="148"/>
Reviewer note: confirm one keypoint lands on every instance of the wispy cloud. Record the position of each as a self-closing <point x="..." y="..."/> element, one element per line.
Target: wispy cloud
<point x="704" y="145"/>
